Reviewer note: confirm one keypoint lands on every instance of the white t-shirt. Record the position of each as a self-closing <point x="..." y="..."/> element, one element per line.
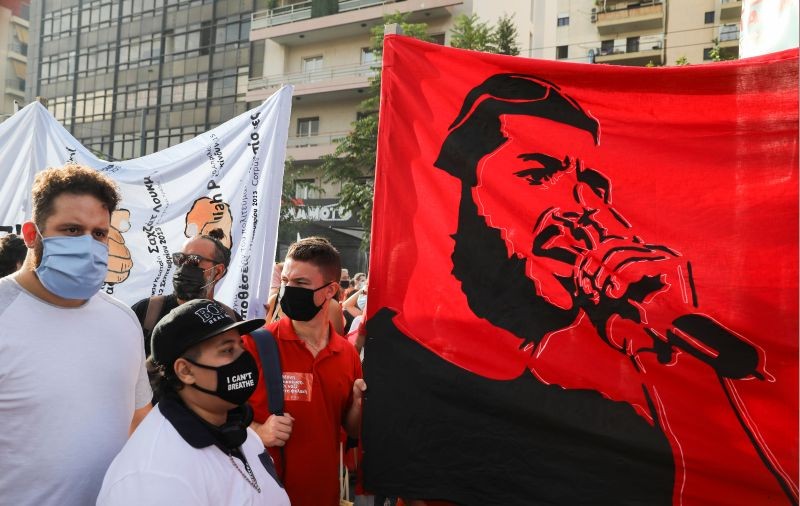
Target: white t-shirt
<point x="157" y="467"/>
<point x="70" y="379"/>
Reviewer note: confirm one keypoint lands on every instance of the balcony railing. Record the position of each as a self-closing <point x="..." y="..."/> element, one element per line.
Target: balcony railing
<point x="631" y="52"/>
<point x="19" y="48"/>
<point x="315" y="76"/>
<point x="324" y="139"/>
<point x="300" y="11"/>
<point x="729" y="35"/>
<point x="15" y="84"/>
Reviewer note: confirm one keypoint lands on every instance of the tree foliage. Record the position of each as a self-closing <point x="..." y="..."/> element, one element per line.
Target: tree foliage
<point x="469" y="32"/>
<point x="505" y="36"/>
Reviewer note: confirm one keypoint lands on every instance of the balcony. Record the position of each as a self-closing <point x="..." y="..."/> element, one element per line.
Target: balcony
<point x="18" y="48"/>
<point x="15" y="87"/>
<point x="300" y="11"/>
<point x="634" y="55"/>
<point x="294" y="25"/>
<point x="341" y="79"/>
<point x="635" y="19"/>
<point x="730" y="10"/>
<point x="729" y="42"/>
<point x="304" y="148"/>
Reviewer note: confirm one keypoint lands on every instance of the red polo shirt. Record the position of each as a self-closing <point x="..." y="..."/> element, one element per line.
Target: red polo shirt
<point x="317" y="393"/>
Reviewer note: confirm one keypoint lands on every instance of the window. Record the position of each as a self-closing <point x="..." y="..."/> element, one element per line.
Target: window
<point x="707" y="53"/>
<point x="307" y="127"/>
<point x="607" y="47"/>
<point x="708" y="17"/>
<point x="562" y="52"/>
<point x="257" y="58"/>
<point x="312" y="63"/>
<point x="367" y="56"/>
<point x="436" y="38"/>
<point x="632" y="45"/>
<point x="303" y="189"/>
<point x="563" y="20"/>
<point x="728" y="32"/>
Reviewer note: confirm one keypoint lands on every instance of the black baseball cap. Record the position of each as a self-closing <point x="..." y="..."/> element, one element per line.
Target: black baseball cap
<point x="191" y="323"/>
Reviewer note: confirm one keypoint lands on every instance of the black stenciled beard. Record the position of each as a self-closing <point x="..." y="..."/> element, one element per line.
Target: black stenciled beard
<point x="495" y="285"/>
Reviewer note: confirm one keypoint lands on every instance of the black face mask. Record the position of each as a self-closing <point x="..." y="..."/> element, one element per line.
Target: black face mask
<point x="236" y="381"/>
<point x="344" y="284"/>
<point x="189" y="282"/>
<point x="233" y="433"/>
<point x="298" y="303"/>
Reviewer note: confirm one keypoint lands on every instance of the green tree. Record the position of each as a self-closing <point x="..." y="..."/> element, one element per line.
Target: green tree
<point x="353" y="163"/>
<point x="681" y="61"/>
<point x="505" y="36"/>
<point x="469" y="32"/>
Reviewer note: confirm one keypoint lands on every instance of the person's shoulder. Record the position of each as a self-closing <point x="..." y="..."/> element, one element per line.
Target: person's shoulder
<point x="115" y="307"/>
<point x="140" y="304"/>
<point x="9" y="290"/>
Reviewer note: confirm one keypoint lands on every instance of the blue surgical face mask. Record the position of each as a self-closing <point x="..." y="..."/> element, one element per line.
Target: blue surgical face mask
<point x="73" y="267"/>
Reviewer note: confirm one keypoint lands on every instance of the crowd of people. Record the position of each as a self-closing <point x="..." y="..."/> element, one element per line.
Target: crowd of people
<point x="169" y="402"/>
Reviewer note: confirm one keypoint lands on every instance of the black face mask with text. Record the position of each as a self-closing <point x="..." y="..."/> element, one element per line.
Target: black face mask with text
<point x="298" y="303"/>
<point x="190" y="283"/>
<point x="236" y="381"/>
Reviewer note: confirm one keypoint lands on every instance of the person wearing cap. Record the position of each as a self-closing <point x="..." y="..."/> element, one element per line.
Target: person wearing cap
<point x="195" y="447"/>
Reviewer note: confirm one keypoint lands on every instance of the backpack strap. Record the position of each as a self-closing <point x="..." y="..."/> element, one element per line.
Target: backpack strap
<point x="154" y="306"/>
<point x="271" y="366"/>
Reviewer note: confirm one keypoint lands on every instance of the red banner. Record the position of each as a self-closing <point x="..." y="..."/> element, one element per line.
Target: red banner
<point x="584" y="281"/>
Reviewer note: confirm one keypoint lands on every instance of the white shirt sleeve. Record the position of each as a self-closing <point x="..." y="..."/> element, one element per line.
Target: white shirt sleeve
<point x="144" y="394"/>
<point x="147" y="488"/>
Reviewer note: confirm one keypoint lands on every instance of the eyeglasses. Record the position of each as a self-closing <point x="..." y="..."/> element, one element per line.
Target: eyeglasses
<point x="192" y="259"/>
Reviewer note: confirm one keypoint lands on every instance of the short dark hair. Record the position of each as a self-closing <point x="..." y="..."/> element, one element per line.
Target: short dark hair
<point x="476" y="131"/>
<point x="73" y="179"/>
<point x="12" y="253"/>
<point x="222" y="252"/>
<point x="163" y="380"/>
<point x="320" y="252"/>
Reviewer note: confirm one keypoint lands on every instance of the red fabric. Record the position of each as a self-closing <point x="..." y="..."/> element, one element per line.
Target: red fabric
<point x="702" y="160"/>
<point x="312" y="453"/>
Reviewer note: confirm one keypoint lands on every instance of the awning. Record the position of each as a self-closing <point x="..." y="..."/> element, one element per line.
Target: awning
<point x="19" y="68"/>
<point x="22" y="33"/>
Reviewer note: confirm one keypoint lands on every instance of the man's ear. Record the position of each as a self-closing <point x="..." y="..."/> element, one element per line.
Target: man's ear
<point x="331" y="289"/>
<point x="29" y="234"/>
<point x="183" y="370"/>
<point x="221" y="274"/>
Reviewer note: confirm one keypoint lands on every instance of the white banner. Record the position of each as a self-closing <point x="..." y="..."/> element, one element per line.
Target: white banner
<point x="768" y="26"/>
<point x="229" y="178"/>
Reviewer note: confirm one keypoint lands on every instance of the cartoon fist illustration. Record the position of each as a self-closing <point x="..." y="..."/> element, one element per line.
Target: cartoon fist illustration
<point x="206" y="215"/>
<point x="119" y="256"/>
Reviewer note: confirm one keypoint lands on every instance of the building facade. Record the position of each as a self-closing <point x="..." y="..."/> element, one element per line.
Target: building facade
<point x="130" y="77"/>
<point x="13" y="55"/>
<point x="322" y="47"/>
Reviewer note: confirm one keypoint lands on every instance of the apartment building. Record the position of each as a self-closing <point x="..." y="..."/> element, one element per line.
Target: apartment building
<point x="13" y="55"/>
<point x="130" y="77"/>
<point x="639" y="32"/>
<point x="322" y="47"/>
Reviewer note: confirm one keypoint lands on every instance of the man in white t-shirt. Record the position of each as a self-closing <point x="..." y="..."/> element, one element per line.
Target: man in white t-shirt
<point x="195" y="447"/>
<point x="72" y="378"/>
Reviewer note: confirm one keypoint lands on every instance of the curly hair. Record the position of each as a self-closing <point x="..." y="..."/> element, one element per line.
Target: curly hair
<point x="73" y="179"/>
<point x="12" y="253"/>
